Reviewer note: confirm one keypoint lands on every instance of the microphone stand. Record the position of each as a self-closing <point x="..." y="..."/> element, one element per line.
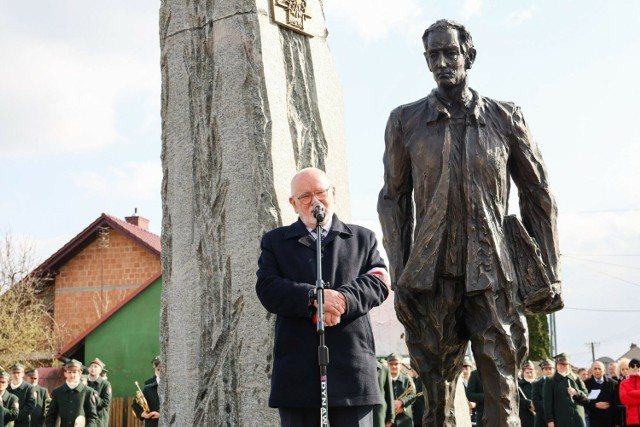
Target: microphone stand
<point x="323" y="350"/>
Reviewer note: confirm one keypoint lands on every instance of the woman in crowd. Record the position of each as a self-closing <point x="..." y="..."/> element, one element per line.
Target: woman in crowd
<point x="630" y="393"/>
<point x="623" y="369"/>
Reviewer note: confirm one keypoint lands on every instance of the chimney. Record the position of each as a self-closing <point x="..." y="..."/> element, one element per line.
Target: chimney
<point x="138" y="221"/>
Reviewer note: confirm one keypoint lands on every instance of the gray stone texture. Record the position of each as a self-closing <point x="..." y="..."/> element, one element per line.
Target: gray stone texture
<point x="245" y="104"/>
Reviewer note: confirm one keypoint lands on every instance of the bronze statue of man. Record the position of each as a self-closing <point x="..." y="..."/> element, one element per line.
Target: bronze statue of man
<point x="455" y="274"/>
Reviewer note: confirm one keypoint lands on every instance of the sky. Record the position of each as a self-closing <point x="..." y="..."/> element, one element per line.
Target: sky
<point x="80" y="123"/>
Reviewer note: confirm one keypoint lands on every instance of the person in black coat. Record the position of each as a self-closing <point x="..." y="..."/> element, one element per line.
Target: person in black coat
<point x="525" y="389"/>
<point x="356" y="281"/>
<point x="9" y="406"/>
<point x="73" y="403"/>
<point x="383" y="414"/>
<point x="103" y="391"/>
<point x="151" y="418"/>
<point x="37" y="416"/>
<point x="25" y="393"/>
<point x="548" y="370"/>
<point x="475" y="394"/>
<point x="603" y="401"/>
<point x="564" y="396"/>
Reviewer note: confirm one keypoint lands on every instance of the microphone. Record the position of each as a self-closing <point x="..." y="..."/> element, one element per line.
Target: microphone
<point x="319" y="212"/>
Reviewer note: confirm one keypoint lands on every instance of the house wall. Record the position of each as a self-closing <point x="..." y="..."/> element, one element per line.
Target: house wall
<point x="128" y="341"/>
<point x="98" y="278"/>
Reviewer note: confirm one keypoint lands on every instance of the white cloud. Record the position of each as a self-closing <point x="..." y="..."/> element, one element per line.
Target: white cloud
<point x="134" y="180"/>
<point x="471" y="8"/>
<point x="519" y="16"/>
<point x="62" y="84"/>
<point x="374" y="20"/>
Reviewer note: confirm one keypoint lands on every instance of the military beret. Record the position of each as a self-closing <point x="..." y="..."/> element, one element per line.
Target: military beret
<point x="393" y="356"/>
<point x="16" y="366"/>
<point x="562" y="358"/>
<point x="528" y="365"/>
<point x="72" y="362"/>
<point x="97" y="362"/>
<point x="545" y="363"/>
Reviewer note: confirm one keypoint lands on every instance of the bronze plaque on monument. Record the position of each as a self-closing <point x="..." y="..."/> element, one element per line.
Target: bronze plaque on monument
<point x="291" y="14"/>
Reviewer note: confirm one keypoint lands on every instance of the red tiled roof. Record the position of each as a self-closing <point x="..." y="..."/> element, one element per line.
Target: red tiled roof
<point x="144" y="238"/>
<point x="73" y="345"/>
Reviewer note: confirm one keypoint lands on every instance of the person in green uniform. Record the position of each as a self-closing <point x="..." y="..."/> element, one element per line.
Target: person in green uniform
<point x="103" y="391"/>
<point x="150" y="392"/>
<point x="564" y="396"/>
<point x="25" y="394"/>
<point x="383" y="414"/>
<point x="37" y="416"/>
<point x="73" y="404"/>
<point x="10" y="405"/>
<point x="404" y="391"/>
<point x="525" y="389"/>
<point x="475" y="393"/>
<point x="536" y="393"/>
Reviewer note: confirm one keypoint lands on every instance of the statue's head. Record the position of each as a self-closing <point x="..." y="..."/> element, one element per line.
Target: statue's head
<point x="449" y="51"/>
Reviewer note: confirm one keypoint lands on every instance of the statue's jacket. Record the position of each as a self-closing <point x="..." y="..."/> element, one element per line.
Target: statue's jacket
<point x="497" y="145"/>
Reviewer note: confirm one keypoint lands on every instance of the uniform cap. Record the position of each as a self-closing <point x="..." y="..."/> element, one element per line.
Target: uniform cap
<point x="393" y="356"/>
<point x="17" y="366"/>
<point x="562" y="358"/>
<point x="4" y="374"/>
<point x="528" y="365"/>
<point x="545" y="363"/>
<point x="97" y="362"/>
<point x="72" y="362"/>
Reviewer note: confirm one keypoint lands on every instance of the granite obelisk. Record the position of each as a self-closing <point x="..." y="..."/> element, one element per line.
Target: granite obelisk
<point x="246" y="102"/>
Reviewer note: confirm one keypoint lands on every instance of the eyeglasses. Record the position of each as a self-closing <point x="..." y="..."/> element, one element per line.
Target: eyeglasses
<point x="306" y="198"/>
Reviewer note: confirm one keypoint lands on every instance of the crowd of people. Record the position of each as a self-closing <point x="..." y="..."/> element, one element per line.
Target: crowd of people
<point x="82" y="400"/>
<point x="563" y="396"/>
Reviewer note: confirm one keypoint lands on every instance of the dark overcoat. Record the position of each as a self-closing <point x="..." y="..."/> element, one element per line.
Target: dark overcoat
<point x="286" y="274"/>
<point x="403" y="385"/>
<point x="475" y="393"/>
<point x="27" y="402"/>
<point x="527" y="418"/>
<point x="561" y="408"/>
<point x="68" y="404"/>
<point x="10" y="407"/>
<point x="150" y="393"/>
<point x="385" y="411"/>
<point x="37" y="416"/>
<point x="538" y="402"/>
<point x="608" y="393"/>
<point x="103" y="399"/>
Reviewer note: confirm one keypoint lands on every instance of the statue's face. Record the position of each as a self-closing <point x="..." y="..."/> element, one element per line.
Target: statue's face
<point x="445" y="58"/>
